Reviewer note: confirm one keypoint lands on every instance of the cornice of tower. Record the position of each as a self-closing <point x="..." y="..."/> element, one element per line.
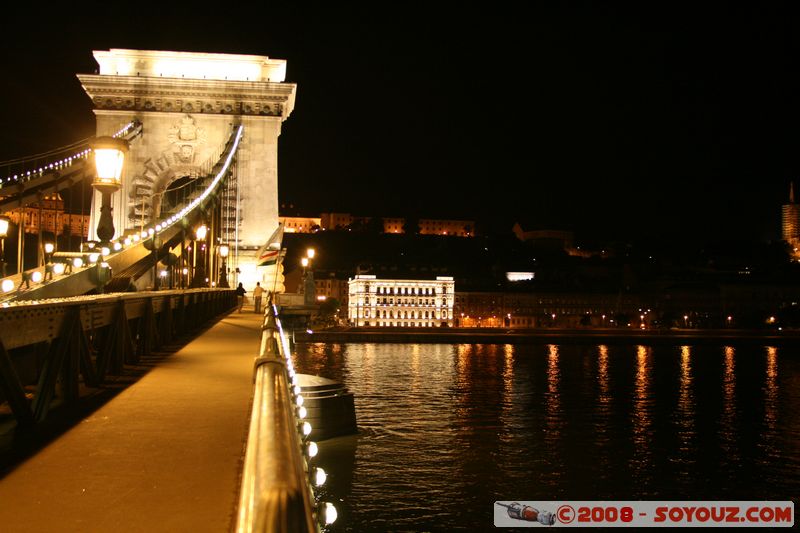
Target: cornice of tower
<point x="144" y="93"/>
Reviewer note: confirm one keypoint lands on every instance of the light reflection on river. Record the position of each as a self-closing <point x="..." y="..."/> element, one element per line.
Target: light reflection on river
<point x="446" y="430"/>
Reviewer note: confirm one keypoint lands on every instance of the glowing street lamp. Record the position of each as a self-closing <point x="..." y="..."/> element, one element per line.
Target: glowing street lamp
<point x="4" y="221"/>
<point x="308" y="288"/>
<point x="109" y="157"/>
<point x="49" y="248"/>
<point x="224" y="250"/>
<point x="199" y="278"/>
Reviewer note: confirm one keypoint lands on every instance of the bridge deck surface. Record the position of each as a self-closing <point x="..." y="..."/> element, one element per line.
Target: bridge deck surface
<point x="163" y="455"/>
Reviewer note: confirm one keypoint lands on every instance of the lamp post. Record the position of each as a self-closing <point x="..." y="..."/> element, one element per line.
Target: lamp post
<point x="302" y="288"/>
<point x="223" y="269"/>
<point x="4" y="220"/>
<point x="199" y="277"/>
<point x="109" y="156"/>
<point x="308" y="278"/>
<point x="49" y="247"/>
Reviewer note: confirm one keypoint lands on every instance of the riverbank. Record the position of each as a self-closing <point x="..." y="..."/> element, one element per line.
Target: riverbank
<point x="545" y="336"/>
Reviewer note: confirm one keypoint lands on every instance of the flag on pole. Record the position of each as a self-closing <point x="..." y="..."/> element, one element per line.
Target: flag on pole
<point x="271" y="251"/>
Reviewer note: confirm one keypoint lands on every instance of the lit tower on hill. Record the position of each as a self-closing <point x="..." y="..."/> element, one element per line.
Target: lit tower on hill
<point x="790" y="222"/>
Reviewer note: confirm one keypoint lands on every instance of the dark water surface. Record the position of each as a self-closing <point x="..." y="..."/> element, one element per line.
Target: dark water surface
<point x="446" y="430"/>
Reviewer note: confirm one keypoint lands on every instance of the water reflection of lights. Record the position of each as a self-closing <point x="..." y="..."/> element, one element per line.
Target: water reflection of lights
<point x="728" y="433"/>
<point x="470" y="420"/>
<point x="771" y="392"/>
<point x="553" y="400"/>
<point x="463" y="352"/>
<point x="554" y="417"/>
<point x="772" y="365"/>
<point x="642" y="376"/>
<point x="641" y="416"/>
<point x="603" y="410"/>
<point x="415" y="369"/>
<point x="508" y="373"/>
<point x="686" y="413"/>
<point x="602" y="374"/>
<point x="507" y="406"/>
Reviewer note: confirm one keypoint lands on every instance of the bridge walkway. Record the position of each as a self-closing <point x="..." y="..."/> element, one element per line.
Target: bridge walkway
<point x="165" y="454"/>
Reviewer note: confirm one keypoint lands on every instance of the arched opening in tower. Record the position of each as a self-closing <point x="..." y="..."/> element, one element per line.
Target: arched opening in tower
<point x="178" y="193"/>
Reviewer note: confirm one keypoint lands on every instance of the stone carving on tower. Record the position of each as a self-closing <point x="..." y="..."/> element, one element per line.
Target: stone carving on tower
<point x="180" y="160"/>
<point x="185" y="137"/>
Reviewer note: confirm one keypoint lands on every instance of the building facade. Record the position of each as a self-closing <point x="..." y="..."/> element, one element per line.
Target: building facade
<point x="334" y="221"/>
<point x="457" y="228"/>
<point x="400" y="302"/>
<point x="300" y="224"/>
<point x="544" y="309"/>
<point x="790" y="222"/>
<point x="330" y="286"/>
<point x="50" y="217"/>
<point x="427" y="226"/>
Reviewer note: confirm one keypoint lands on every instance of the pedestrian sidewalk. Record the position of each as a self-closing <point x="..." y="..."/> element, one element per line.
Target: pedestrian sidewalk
<point x="163" y="455"/>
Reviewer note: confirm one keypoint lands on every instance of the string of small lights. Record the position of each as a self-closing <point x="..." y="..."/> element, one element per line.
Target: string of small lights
<point x="60" y="164"/>
<point x="325" y="512"/>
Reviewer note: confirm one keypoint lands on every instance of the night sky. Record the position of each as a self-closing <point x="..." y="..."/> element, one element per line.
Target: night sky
<point x="617" y="122"/>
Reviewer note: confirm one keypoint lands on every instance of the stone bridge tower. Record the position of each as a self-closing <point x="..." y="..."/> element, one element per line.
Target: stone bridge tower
<point x="188" y="103"/>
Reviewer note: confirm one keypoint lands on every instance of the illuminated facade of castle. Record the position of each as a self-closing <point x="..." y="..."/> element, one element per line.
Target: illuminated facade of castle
<point x="49" y="216"/>
<point x="427" y="226"/>
<point x="401" y="302"/>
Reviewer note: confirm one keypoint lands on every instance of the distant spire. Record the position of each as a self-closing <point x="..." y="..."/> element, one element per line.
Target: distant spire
<point x="791" y="192"/>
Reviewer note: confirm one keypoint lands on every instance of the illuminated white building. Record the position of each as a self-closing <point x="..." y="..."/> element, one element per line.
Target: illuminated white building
<point x="401" y="302"/>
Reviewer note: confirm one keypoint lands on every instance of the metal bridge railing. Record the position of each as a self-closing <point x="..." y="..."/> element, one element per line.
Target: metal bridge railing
<point x="276" y="492"/>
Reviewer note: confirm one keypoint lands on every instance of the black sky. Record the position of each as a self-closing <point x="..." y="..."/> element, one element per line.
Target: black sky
<point x="615" y="121"/>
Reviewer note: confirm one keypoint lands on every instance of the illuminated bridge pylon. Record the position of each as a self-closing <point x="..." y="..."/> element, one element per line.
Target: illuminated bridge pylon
<point x="177" y="110"/>
<point x="187" y="104"/>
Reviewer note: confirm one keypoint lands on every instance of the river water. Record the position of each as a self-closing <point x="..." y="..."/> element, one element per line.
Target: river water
<point x="447" y="430"/>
